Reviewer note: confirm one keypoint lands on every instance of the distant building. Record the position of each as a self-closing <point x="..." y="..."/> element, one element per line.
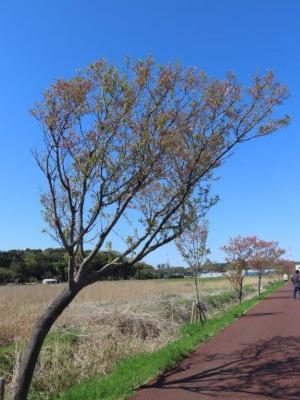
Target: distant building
<point x="49" y="281"/>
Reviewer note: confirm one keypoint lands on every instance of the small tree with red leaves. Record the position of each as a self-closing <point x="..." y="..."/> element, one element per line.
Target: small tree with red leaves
<point x="283" y="267"/>
<point x="264" y="256"/>
<point x="238" y="255"/>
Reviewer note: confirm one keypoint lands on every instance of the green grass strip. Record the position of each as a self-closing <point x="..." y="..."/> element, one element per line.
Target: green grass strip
<point x="136" y="371"/>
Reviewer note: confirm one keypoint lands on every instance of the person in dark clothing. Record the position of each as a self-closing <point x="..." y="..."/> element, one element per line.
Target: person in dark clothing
<point x="296" y="283"/>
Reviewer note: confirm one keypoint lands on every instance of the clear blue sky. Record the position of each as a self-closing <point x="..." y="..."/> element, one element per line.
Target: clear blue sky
<point x="42" y="40"/>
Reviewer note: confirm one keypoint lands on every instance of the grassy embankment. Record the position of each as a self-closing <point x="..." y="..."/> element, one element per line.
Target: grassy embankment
<point x="140" y="369"/>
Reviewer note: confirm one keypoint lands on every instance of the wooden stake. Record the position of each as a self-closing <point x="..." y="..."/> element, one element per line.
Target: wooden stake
<point x="2" y="386"/>
<point x="192" y="313"/>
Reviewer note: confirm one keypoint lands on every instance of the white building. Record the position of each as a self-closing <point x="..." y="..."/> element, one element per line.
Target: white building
<point x="49" y="281"/>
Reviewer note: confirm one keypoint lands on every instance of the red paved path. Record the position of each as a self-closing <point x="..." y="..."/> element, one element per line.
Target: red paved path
<point x="257" y="357"/>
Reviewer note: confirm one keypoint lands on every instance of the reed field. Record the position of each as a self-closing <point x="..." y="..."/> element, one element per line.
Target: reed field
<point x="21" y="305"/>
<point x="107" y="321"/>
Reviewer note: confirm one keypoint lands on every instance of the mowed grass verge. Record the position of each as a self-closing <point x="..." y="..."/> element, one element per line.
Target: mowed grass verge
<point x="136" y="371"/>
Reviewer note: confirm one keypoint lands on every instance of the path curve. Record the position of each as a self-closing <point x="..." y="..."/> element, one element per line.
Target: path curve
<point x="257" y="357"/>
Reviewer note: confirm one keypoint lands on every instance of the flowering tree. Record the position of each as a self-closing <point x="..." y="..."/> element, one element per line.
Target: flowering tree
<point x="137" y="145"/>
<point x="192" y="246"/>
<point x="238" y="255"/>
<point x="264" y="255"/>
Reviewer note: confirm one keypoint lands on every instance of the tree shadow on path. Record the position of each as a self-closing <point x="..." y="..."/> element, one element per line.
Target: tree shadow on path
<point x="269" y="368"/>
<point x="260" y="314"/>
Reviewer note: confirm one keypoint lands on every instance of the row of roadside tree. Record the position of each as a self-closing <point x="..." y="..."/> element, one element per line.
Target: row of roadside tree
<point x="242" y="255"/>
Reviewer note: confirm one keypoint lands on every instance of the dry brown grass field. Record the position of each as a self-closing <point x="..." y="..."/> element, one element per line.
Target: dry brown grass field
<point x="111" y="320"/>
<point x="21" y="305"/>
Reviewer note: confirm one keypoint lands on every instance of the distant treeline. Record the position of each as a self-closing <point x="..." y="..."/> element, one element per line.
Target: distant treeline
<point x="31" y="265"/>
<point x="34" y="265"/>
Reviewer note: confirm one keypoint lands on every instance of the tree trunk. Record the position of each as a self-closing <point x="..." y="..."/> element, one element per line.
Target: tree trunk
<point x="202" y="317"/>
<point x="31" y="354"/>
<point x="259" y="283"/>
<point x="241" y="291"/>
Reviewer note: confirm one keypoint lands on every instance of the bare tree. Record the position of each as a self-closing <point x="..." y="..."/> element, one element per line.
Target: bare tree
<point x="264" y="256"/>
<point x="192" y="246"/>
<point x="137" y="145"/>
<point x="238" y="255"/>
